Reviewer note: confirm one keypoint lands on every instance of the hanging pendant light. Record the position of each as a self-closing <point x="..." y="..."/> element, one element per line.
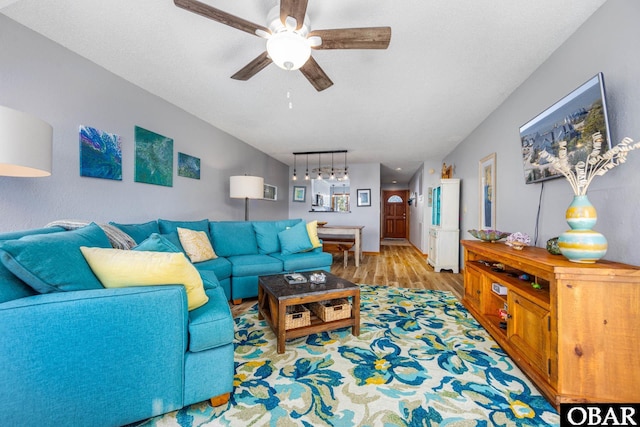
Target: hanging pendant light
<point x="346" y="172"/>
<point x="319" y="168"/>
<point x="333" y="175"/>
<point x="306" y="174"/>
<point x="294" y="168"/>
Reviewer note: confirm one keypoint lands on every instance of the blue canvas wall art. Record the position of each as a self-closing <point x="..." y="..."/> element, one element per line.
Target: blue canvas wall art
<point x="188" y="166"/>
<point x="100" y="154"/>
<point x="154" y="158"/>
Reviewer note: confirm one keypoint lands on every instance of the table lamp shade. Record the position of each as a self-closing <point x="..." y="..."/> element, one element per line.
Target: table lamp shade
<point x="25" y="144"/>
<point x="246" y="187"/>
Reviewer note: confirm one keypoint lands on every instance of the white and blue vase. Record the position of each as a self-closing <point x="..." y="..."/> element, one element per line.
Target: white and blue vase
<point x="581" y="243"/>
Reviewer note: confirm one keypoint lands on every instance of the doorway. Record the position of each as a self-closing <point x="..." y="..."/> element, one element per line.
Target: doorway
<point x="395" y="216"/>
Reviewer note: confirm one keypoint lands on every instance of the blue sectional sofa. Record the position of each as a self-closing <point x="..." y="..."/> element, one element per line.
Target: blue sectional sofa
<point x="244" y="249"/>
<point x="74" y="352"/>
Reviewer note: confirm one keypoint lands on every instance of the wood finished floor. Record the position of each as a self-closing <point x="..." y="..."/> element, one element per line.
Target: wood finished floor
<point x="397" y="266"/>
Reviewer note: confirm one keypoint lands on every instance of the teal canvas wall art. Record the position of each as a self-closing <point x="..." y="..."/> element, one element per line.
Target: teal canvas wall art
<point x="100" y="154"/>
<point x="154" y="158"/>
<point x="188" y="166"/>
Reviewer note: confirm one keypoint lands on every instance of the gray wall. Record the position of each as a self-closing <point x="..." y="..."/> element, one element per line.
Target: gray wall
<point x="46" y="80"/>
<point x="361" y="176"/>
<point x="607" y="42"/>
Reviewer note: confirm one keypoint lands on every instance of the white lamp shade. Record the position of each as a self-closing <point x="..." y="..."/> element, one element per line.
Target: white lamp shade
<point x="25" y="144"/>
<point x="246" y="187"/>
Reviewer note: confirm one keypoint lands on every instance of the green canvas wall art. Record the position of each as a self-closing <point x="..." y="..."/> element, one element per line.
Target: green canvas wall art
<point x="100" y="154"/>
<point x="188" y="166"/>
<point x="154" y="158"/>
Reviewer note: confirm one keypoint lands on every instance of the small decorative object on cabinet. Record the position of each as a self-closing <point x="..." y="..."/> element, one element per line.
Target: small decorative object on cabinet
<point x="552" y="246"/>
<point x="488" y="235"/>
<point x="581" y="243"/>
<point x="518" y="240"/>
<point x="444" y="234"/>
<point x="572" y="328"/>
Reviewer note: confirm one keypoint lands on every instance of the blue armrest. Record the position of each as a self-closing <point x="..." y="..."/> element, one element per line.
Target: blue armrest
<point x="74" y="355"/>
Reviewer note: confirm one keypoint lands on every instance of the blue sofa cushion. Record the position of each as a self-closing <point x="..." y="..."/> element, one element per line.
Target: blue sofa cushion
<point x="138" y="232"/>
<point x="304" y="261"/>
<point x="10" y="286"/>
<point x="157" y="243"/>
<point x="267" y="234"/>
<point x="13" y="235"/>
<point x="232" y="238"/>
<point x="254" y="265"/>
<point x="168" y="226"/>
<point x="295" y="239"/>
<point x="53" y="262"/>
<point x="220" y="266"/>
<point x="212" y="324"/>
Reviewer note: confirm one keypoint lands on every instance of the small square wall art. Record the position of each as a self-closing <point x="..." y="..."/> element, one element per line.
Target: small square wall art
<point x="188" y="166"/>
<point x="154" y="158"/>
<point x="100" y="154"/>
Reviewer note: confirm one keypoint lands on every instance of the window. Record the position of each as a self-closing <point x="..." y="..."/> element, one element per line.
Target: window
<point x="394" y="199"/>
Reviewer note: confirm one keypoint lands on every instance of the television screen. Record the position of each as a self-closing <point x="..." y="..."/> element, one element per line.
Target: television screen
<point x="574" y="119"/>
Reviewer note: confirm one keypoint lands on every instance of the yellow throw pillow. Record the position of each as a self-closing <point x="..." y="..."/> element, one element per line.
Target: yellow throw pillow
<point x="312" y="230"/>
<point x="117" y="268"/>
<point x="196" y="244"/>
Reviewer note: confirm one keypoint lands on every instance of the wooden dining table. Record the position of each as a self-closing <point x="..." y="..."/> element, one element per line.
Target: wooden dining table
<point x="355" y="231"/>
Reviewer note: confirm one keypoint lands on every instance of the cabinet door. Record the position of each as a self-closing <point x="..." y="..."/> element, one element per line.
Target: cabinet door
<point x="528" y="329"/>
<point x="473" y="287"/>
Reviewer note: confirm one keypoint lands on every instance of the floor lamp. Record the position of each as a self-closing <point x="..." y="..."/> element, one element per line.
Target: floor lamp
<point x="25" y="144"/>
<point x="246" y="187"/>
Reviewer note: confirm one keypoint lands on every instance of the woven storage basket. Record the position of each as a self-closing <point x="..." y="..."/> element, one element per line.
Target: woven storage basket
<point x="297" y="316"/>
<point x="334" y="309"/>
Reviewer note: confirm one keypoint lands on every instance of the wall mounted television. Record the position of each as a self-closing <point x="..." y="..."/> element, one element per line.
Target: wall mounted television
<point x="574" y="119"/>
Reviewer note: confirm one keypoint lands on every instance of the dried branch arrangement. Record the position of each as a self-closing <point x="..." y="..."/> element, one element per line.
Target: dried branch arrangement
<point x="596" y="165"/>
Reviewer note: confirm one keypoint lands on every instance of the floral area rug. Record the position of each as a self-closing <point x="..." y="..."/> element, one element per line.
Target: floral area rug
<point x="420" y="360"/>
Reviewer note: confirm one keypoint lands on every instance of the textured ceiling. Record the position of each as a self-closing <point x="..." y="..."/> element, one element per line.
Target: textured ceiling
<point x="448" y="66"/>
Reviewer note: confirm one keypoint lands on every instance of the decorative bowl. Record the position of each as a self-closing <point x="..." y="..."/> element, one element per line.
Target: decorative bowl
<point x="488" y="235"/>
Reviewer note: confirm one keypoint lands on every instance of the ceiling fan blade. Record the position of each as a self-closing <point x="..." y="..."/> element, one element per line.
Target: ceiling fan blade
<point x="316" y="76"/>
<point x="220" y="16"/>
<point x="354" y="38"/>
<point x="253" y="67"/>
<point x="294" y="8"/>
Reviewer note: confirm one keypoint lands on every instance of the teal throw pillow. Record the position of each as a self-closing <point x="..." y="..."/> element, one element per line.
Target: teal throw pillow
<point x="53" y="262"/>
<point x="157" y="243"/>
<point x="138" y="232"/>
<point x="295" y="239"/>
<point x="267" y="236"/>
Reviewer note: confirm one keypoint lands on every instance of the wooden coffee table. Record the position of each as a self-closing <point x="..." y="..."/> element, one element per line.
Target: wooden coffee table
<point x="275" y="295"/>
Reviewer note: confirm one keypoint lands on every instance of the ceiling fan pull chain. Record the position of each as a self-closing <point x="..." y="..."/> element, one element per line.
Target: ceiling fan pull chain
<point x="290" y="98"/>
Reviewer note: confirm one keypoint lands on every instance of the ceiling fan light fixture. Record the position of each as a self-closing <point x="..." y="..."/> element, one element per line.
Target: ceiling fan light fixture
<point x="288" y="50"/>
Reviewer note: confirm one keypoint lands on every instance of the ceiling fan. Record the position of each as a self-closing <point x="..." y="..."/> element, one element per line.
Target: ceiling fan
<point x="289" y="39"/>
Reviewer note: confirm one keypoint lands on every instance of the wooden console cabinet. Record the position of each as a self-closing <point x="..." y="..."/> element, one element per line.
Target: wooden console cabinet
<point x="577" y="337"/>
